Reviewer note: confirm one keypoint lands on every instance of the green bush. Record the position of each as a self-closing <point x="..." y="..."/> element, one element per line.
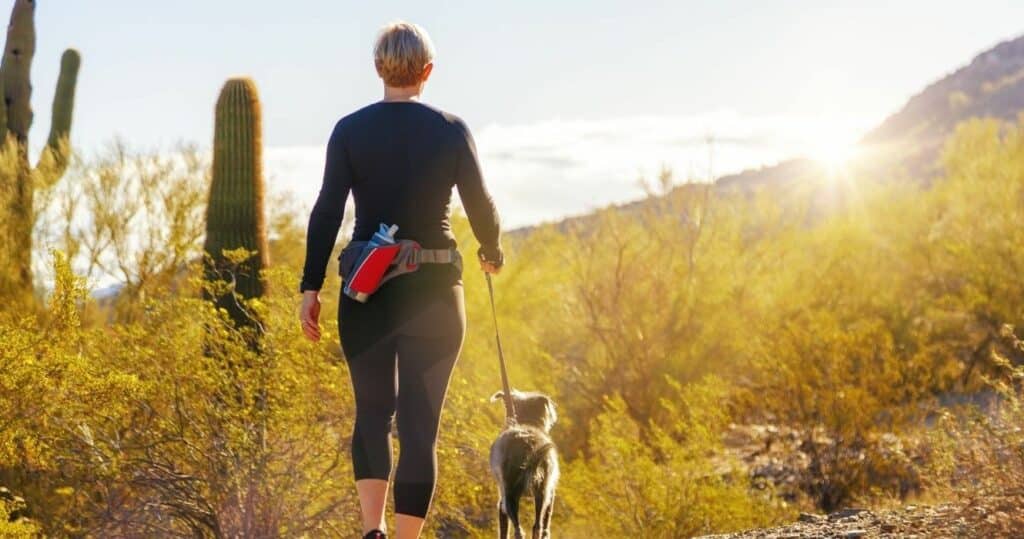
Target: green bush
<point x="660" y="480"/>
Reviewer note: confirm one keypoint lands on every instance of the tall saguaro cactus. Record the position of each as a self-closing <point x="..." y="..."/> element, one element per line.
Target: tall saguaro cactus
<point x="234" y="216"/>
<point x="18" y="179"/>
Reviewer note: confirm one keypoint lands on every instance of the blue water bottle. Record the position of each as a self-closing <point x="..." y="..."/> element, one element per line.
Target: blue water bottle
<point x="385" y="235"/>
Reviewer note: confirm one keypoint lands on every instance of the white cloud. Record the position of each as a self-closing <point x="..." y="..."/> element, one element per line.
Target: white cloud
<point x="547" y="170"/>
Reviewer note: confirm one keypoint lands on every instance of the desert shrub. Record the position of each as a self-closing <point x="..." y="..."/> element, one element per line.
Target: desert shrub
<point x="130" y="217"/>
<point x="890" y="309"/>
<point x="979" y="447"/>
<point x="657" y="480"/>
<point x="172" y="425"/>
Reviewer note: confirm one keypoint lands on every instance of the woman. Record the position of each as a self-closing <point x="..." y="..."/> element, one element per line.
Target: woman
<point x="400" y="159"/>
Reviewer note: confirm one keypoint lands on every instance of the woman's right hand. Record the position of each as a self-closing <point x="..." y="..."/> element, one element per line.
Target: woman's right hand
<point x="309" y="314"/>
<point x="491" y="264"/>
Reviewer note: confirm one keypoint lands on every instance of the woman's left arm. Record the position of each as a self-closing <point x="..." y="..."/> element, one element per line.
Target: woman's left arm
<point x="328" y="212"/>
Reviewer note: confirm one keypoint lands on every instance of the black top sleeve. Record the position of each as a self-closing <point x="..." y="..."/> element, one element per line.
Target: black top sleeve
<point x="477" y="201"/>
<point x="325" y="220"/>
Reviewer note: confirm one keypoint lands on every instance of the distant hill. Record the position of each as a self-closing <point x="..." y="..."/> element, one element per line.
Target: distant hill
<point x="991" y="85"/>
<point x="909" y="142"/>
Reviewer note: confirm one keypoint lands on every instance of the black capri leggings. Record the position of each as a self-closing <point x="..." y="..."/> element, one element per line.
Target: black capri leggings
<point x="400" y="352"/>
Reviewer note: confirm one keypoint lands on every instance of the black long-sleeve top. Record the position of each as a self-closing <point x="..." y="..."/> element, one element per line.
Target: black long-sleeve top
<point x="400" y="160"/>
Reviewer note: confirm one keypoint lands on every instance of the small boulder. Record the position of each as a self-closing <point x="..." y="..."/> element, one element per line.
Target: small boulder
<point x="846" y="513"/>
<point x="810" y="518"/>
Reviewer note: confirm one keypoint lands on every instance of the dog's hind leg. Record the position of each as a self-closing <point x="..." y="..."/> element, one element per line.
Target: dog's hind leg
<point x="502" y="520"/>
<point x="539" y="508"/>
<point x="549" y="505"/>
<point x="512" y="507"/>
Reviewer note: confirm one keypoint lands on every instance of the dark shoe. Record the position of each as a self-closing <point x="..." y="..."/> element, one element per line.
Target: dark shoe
<point x="375" y="534"/>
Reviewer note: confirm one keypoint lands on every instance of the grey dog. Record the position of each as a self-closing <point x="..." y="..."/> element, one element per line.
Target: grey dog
<point x="524" y="459"/>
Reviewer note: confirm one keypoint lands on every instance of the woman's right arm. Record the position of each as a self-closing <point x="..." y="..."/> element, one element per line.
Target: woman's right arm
<point x="325" y="220"/>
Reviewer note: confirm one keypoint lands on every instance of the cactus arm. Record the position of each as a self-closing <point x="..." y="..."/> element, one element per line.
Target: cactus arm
<point x="17" y="66"/>
<point x="19" y="181"/>
<point x="56" y="154"/>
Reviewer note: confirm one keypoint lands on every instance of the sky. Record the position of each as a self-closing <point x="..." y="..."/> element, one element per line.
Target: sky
<point x="570" y="101"/>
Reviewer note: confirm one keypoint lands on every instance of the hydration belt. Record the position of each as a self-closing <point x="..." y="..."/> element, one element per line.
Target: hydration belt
<point x="365" y="268"/>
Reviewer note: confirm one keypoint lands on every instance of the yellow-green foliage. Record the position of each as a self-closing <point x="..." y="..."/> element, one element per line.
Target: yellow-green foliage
<point x="982" y="452"/>
<point x="979" y="454"/>
<point x="106" y="421"/>
<point x="652" y="329"/>
<point x="658" y="481"/>
<point x="130" y="216"/>
<point x="15" y="528"/>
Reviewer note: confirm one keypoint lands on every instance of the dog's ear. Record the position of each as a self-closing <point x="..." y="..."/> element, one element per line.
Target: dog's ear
<point x="497" y="396"/>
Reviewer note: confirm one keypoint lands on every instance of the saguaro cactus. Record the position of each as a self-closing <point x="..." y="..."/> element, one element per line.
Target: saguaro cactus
<point x="234" y="216"/>
<point x="18" y="179"/>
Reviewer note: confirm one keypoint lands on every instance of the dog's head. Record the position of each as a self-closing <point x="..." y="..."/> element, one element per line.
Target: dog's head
<point x="532" y="408"/>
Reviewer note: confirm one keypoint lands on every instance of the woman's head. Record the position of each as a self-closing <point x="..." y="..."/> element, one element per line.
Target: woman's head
<point x="403" y="54"/>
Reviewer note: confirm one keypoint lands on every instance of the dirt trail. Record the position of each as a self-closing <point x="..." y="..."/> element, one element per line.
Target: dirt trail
<point x="989" y="518"/>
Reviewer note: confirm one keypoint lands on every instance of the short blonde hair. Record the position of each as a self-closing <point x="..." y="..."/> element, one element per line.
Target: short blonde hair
<point x="403" y="49"/>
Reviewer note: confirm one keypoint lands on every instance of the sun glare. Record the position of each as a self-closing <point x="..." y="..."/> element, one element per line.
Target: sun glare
<point x="835" y="154"/>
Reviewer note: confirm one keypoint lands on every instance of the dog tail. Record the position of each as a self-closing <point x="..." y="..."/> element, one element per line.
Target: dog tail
<point x="538" y="454"/>
<point x="516" y="477"/>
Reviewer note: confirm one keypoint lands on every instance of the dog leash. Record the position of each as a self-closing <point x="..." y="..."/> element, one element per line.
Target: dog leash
<point x="510" y="407"/>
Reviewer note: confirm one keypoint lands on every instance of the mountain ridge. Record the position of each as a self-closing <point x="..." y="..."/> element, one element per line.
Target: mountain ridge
<point x="990" y="85"/>
<point x="908" y="142"/>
